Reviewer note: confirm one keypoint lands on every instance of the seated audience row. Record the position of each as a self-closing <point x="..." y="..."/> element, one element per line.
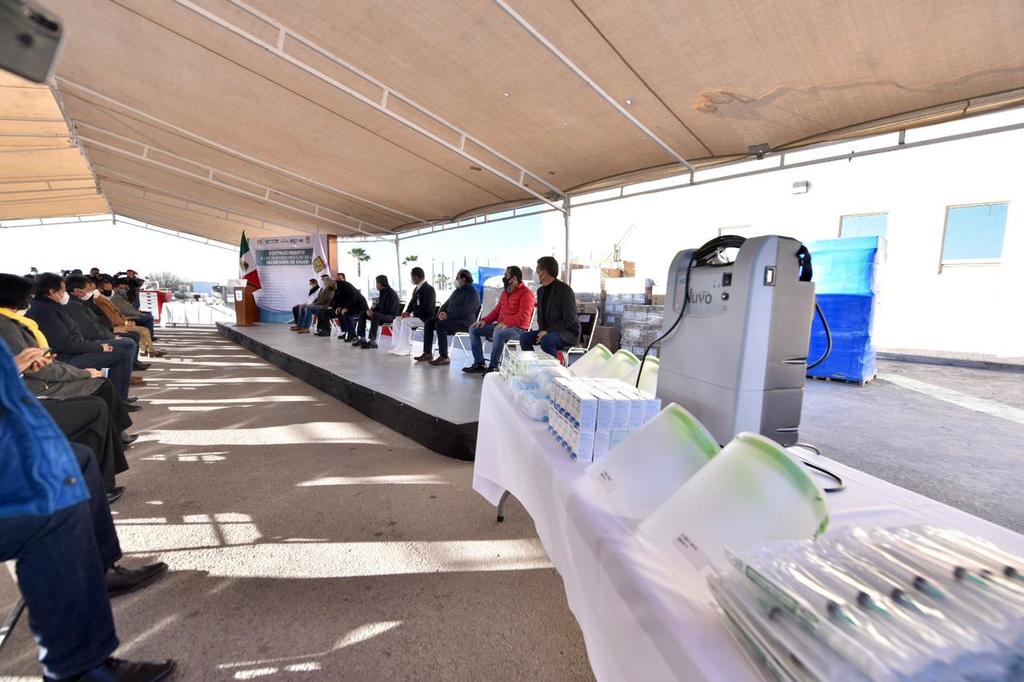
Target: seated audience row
<point x="554" y="307"/>
<point x="55" y="523"/>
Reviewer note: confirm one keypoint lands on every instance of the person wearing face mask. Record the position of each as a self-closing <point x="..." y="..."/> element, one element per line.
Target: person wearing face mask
<point x="113" y="320"/>
<point x="507" y="322"/>
<point x="558" y="323"/>
<point x="63" y="335"/>
<point x="122" y="301"/>
<point x="89" y="324"/>
<point x="456" y="315"/>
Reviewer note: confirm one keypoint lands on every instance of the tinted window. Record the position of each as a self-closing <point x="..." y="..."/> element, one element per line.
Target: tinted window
<point x="974" y="232"/>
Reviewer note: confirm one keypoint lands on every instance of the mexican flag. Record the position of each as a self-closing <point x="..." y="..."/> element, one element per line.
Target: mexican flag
<point x="247" y="264"/>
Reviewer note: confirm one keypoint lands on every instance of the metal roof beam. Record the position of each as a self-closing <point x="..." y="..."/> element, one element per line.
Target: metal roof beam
<point x="561" y="56"/>
<point x="383" y="105"/>
<point x="208" y="178"/>
<point x="161" y="123"/>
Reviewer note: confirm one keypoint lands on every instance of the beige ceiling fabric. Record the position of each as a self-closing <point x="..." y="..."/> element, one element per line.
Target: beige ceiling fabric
<point x="42" y="172"/>
<point x="367" y="118"/>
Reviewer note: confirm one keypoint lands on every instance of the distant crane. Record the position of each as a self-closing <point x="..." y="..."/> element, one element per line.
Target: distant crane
<point x="617" y="248"/>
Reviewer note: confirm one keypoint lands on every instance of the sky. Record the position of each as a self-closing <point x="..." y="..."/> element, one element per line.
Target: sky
<point x="662" y="219"/>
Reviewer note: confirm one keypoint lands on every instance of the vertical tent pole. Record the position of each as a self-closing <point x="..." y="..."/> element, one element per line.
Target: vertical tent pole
<point x="565" y="215"/>
<point x="398" y="267"/>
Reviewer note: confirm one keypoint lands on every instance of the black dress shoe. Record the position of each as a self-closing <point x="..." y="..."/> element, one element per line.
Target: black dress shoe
<point x="114" y="494"/>
<point x="132" y="408"/>
<point x="357" y="341"/>
<point x="323" y="334"/>
<point x="368" y="345"/>
<point x="118" y="670"/>
<point x="128" y="438"/>
<point x="141" y="366"/>
<point x="121" y="580"/>
<point x="130" y="400"/>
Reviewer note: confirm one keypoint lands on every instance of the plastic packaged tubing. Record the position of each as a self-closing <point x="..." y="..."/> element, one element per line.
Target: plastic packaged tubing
<point x="1010" y="566"/>
<point x="779" y="634"/>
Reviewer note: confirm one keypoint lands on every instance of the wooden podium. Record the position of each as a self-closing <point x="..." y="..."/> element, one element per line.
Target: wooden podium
<point x="246" y="312"/>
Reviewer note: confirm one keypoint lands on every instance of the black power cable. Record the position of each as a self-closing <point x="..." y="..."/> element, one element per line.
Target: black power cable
<point x="828" y="336"/>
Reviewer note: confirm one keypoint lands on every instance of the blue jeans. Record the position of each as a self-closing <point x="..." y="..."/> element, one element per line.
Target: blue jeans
<point x="306" y="314"/>
<point x="499" y="337"/>
<point x="61" y="561"/>
<point x="120" y="363"/>
<point x="127" y="345"/>
<point x="550" y="344"/>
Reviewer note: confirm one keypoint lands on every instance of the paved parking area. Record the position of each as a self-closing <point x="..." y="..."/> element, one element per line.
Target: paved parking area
<point x="953" y="434"/>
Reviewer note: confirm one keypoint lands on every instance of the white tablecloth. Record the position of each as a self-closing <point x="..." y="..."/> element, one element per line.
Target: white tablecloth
<point x="640" y="619"/>
<point x="194" y="313"/>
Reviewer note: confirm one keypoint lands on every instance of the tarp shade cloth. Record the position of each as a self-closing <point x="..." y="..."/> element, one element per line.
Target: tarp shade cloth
<point x="372" y="117"/>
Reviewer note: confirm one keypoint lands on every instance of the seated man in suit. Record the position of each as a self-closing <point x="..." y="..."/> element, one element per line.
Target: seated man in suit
<point x="320" y="302"/>
<point x="63" y="335"/>
<point x="346" y="306"/>
<point x="419" y="309"/>
<point x="89" y="324"/>
<point x="558" y="323"/>
<point x="384" y="312"/>
<point x="120" y="296"/>
<point x="507" y="322"/>
<point x="117" y="323"/>
<point x="456" y="315"/>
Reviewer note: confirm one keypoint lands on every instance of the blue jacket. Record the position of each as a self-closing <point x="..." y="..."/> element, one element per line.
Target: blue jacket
<point x="463" y="306"/>
<point x="38" y="471"/>
<point x="60" y="328"/>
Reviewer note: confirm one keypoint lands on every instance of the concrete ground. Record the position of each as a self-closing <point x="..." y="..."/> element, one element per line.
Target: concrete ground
<point x="953" y="434"/>
<point x="307" y="542"/>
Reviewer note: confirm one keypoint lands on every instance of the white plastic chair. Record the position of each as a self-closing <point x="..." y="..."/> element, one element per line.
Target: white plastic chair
<point x="595" y="314"/>
<point x="592" y="361"/>
<point x="460" y="338"/>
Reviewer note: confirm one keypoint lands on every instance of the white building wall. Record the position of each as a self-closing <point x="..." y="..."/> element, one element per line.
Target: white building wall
<point x="962" y="308"/>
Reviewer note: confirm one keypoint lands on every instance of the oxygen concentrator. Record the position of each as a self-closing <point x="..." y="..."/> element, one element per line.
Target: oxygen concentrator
<point x="735" y="339"/>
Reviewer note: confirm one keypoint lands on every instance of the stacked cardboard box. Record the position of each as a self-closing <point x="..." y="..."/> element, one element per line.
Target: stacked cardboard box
<point x="588" y="417"/>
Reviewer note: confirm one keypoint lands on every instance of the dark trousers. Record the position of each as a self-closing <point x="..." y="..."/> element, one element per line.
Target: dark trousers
<point x="126" y="345"/>
<point x="376" y="320"/>
<point x="295" y="313"/>
<point x="550" y="344"/>
<point x="347" y="322"/>
<point x="443" y="329"/>
<point x="118" y="414"/>
<point x="119" y="362"/>
<point x="86" y="420"/>
<point x="61" y="560"/>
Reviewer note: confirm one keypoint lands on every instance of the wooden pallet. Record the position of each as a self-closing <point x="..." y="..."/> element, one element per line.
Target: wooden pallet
<point x="843" y="380"/>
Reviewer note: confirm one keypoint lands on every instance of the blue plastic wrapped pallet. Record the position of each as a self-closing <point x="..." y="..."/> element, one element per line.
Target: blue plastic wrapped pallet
<point x="845" y="284"/>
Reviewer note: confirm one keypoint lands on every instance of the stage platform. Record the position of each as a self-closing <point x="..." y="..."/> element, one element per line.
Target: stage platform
<point x="435" y="406"/>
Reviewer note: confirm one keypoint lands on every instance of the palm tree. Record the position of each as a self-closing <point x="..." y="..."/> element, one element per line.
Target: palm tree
<point x="361" y="257"/>
<point x="410" y="259"/>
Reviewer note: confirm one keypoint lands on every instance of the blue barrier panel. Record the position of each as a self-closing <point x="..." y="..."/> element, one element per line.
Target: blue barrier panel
<point x="482" y="275"/>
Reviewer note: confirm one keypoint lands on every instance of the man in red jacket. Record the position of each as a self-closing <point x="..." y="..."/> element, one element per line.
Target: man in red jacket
<point x="509" y="319"/>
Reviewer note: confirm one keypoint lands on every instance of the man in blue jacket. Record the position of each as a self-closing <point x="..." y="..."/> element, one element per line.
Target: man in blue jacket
<point x="64" y="336"/>
<point x="456" y="314"/>
<point x="54" y="521"/>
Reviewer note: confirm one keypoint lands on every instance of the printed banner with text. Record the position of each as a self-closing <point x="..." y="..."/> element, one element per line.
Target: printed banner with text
<point x="285" y="265"/>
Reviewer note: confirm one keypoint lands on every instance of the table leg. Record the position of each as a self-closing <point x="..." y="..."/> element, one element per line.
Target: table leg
<point x="501" y="505"/>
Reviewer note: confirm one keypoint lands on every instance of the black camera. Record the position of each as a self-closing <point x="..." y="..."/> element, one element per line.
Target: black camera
<point x="30" y="38"/>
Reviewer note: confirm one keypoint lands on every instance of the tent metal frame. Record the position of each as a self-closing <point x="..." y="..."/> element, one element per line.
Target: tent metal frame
<point x="210" y="178"/>
<point x="381" y="106"/>
<point x="591" y="83"/>
<point x="194" y="137"/>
